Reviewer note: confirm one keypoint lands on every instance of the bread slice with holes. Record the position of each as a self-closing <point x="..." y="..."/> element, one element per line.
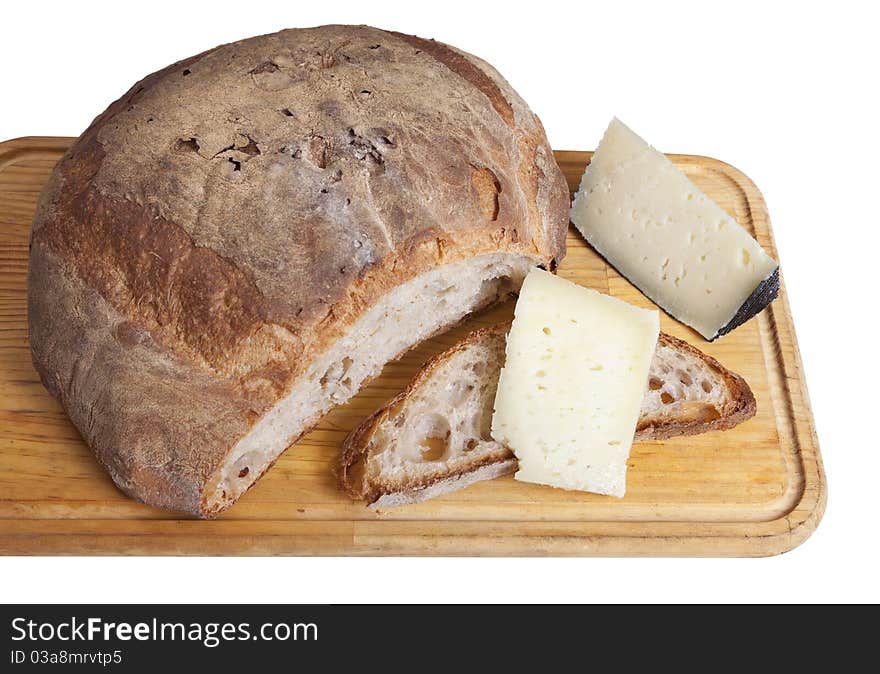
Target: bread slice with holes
<point x="434" y="437"/>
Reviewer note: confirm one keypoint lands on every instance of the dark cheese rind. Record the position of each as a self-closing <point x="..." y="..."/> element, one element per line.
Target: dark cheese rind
<point x="763" y="295"/>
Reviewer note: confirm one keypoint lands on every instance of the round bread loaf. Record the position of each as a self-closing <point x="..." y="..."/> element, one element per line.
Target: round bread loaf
<point x="244" y="238"/>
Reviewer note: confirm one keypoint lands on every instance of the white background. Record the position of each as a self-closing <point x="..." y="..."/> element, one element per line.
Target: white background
<point x="787" y="92"/>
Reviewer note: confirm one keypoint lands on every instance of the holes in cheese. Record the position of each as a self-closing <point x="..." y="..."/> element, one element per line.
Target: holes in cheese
<point x="570" y="392"/>
<point x="677" y="246"/>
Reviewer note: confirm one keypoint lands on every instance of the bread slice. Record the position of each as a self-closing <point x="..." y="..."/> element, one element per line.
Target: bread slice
<point x="434" y="437"/>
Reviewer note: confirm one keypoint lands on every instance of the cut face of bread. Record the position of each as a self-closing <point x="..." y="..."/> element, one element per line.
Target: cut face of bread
<point x="434" y="437"/>
<point x="398" y="321"/>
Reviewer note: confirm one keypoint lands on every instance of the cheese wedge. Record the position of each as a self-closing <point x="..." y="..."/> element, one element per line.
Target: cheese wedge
<point x="670" y="240"/>
<point x="571" y="388"/>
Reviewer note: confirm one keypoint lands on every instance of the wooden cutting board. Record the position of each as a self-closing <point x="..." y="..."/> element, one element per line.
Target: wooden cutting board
<point x="758" y="489"/>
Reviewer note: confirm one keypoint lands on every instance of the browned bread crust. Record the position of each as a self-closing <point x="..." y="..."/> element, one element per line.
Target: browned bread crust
<point x="377" y="490"/>
<point x="230" y="218"/>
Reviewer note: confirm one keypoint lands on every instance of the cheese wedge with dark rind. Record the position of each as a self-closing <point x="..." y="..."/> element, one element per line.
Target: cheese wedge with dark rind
<point x="669" y="239"/>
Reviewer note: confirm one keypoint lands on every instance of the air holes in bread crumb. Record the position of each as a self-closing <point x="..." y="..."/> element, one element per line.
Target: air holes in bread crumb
<point x="433" y="449"/>
<point x="710" y="414"/>
<point x="685" y="379"/>
<point x="665" y="398"/>
<point x="458" y="392"/>
<point x="337" y="372"/>
<point x="432" y="435"/>
<point x="706" y="386"/>
<point x="244" y="471"/>
<point x="654" y="384"/>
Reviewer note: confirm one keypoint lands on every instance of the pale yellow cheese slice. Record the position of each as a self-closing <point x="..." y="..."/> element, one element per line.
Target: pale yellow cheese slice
<point x="571" y="388"/>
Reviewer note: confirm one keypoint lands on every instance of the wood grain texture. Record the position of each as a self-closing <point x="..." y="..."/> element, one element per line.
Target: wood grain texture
<point x="756" y="490"/>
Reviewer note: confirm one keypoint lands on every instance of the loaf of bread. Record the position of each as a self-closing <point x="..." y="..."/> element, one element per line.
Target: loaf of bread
<point x="435" y="437"/>
<point x="244" y="238"/>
